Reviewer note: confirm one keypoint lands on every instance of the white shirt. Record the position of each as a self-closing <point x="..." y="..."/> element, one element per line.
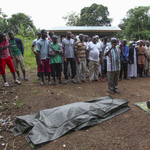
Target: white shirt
<point x="94" y="51"/>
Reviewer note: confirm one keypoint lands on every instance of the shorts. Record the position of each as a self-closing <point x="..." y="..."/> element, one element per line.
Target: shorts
<point x="104" y="66"/>
<point x="6" y="61"/>
<point x="18" y="59"/>
<point x="46" y="66"/>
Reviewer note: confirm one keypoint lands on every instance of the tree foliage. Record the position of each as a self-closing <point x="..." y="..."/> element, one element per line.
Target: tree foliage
<point x="95" y="15"/>
<point x="137" y="23"/>
<point x="71" y="18"/>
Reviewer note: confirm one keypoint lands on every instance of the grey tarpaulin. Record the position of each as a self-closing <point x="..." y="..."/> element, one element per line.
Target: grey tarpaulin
<point x="50" y="124"/>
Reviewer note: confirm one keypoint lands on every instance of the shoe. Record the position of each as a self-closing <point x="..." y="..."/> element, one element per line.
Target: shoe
<point x="38" y="78"/>
<point x="25" y="78"/>
<point x="118" y="92"/>
<point x="6" y="84"/>
<point x="18" y="78"/>
<point x="50" y="83"/>
<point x="17" y="82"/>
<point x="74" y="81"/>
<point x="66" y="81"/>
<point x="144" y="76"/>
<point x="42" y="83"/>
<point x="46" y="77"/>
<point x="120" y="79"/>
<point x="127" y="78"/>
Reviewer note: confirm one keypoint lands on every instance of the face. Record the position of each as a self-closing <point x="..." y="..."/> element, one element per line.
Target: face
<point x="69" y="34"/>
<point x="11" y="35"/>
<point x="141" y="43"/>
<point x="124" y="43"/>
<point x="81" y="37"/>
<point x="94" y="40"/>
<point x="86" y="38"/>
<point x="55" y="40"/>
<point x="44" y="35"/>
<point x="114" y="42"/>
<point x="105" y="41"/>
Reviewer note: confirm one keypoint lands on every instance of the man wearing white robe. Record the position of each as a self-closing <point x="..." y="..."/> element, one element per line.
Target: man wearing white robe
<point x="133" y="58"/>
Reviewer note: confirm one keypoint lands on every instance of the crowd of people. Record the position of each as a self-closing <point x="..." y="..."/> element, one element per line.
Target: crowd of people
<point x="79" y="57"/>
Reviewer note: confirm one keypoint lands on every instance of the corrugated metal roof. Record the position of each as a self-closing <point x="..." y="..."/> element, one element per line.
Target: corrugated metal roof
<point x="86" y="28"/>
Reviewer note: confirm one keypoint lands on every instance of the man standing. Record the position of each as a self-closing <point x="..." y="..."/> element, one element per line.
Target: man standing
<point x="51" y="33"/>
<point x="124" y="60"/>
<point x="113" y="65"/>
<point x="141" y="58"/>
<point x="133" y="59"/>
<point x="93" y="56"/>
<point x="103" y="45"/>
<point x="55" y="52"/>
<point x="17" y="51"/>
<point x="68" y="50"/>
<point x="42" y="47"/>
<point x="80" y="52"/>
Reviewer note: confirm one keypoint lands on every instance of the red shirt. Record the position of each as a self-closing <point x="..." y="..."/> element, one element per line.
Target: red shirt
<point x="5" y="53"/>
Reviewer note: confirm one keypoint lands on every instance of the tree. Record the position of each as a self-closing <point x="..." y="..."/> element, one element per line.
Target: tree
<point x="95" y="15"/>
<point x="137" y="23"/>
<point x="20" y="18"/>
<point x="3" y="22"/>
<point x="71" y="18"/>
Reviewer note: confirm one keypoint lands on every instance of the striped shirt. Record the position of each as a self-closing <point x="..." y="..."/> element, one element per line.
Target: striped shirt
<point x="113" y="58"/>
<point x="80" y="49"/>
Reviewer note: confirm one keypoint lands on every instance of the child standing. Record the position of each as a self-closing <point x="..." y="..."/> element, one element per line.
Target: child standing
<point x="5" y="59"/>
<point x="42" y="46"/>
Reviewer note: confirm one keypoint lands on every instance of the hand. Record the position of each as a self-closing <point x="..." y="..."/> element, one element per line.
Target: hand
<point x="41" y="64"/>
<point x="113" y="45"/>
<point x="5" y="47"/>
<point x="78" y="61"/>
<point x="120" y="47"/>
<point x="65" y="59"/>
<point x="35" y="52"/>
<point x="101" y="61"/>
<point x="130" y="62"/>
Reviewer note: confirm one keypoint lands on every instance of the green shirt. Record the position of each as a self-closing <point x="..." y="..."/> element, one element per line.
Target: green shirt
<point x="14" y="48"/>
<point x="57" y="58"/>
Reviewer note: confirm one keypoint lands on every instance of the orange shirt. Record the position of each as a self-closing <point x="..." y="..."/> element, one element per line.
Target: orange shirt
<point x="141" y="58"/>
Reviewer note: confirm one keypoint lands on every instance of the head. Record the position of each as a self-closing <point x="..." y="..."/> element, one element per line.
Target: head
<point x="105" y="40"/>
<point x="147" y="43"/>
<point x="55" y="38"/>
<point x="97" y="37"/>
<point x="11" y="35"/>
<point x="51" y="33"/>
<point x="68" y="34"/>
<point x="124" y="42"/>
<point x="130" y="44"/>
<point x="94" y="39"/>
<point x="72" y="36"/>
<point x="86" y="38"/>
<point x="138" y="43"/>
<point x="43" y="34"/>
<point x="39" y="34"/>
<point x="141" y="43"/>
<point x="2" y="37"/>
<point x="81" y="37"/>
<point x="75" y="39"/>
<point x="113" y="41"/>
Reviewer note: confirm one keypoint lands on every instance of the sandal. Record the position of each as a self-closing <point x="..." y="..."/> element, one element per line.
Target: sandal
<point x="111" y="92"/>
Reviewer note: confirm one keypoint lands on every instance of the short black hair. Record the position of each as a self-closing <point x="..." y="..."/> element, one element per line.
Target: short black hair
<point x="43" y="30"/>
<point x="54" y="36"/>
<point x="68" y="32"/>
<point x="105" y="38"/>
<point x="10" y="32"/>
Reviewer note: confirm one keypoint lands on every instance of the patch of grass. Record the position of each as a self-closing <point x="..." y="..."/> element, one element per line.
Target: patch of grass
<point x="4" y="106"/>
<point x="20" y="103"/>
<point x="35" y="91"/>
<point x="36" y="81"/>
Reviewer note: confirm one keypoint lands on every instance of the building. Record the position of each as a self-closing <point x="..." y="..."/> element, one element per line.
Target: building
<point x="109" y="31"/>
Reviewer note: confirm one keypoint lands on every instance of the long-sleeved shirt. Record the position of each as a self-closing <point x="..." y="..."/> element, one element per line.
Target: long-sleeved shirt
<point x="125" y="50"/>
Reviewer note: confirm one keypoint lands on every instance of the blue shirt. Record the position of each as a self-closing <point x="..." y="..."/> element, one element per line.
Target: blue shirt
<point x="42" y="47"/>
<point x="125" y="50"/>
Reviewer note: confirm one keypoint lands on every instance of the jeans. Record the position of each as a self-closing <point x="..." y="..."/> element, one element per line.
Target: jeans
<point x="71" y="60"/>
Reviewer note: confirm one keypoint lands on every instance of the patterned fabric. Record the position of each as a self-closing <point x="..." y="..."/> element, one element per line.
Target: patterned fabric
<point x="80" y="49"/>
<point x="5" y="53"/>
<point x="113" y="59"/>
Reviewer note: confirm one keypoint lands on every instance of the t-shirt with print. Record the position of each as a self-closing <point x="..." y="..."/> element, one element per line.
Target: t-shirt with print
<point x="14" y="48"/>
<point x="68" y="46"/>
<point x="5" y="53"/>
<point x="94" y="51"/>
<point x="57" y="58"/>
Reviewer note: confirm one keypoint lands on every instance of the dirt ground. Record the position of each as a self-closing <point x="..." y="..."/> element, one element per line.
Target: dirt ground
<point x="129" y="130"/>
